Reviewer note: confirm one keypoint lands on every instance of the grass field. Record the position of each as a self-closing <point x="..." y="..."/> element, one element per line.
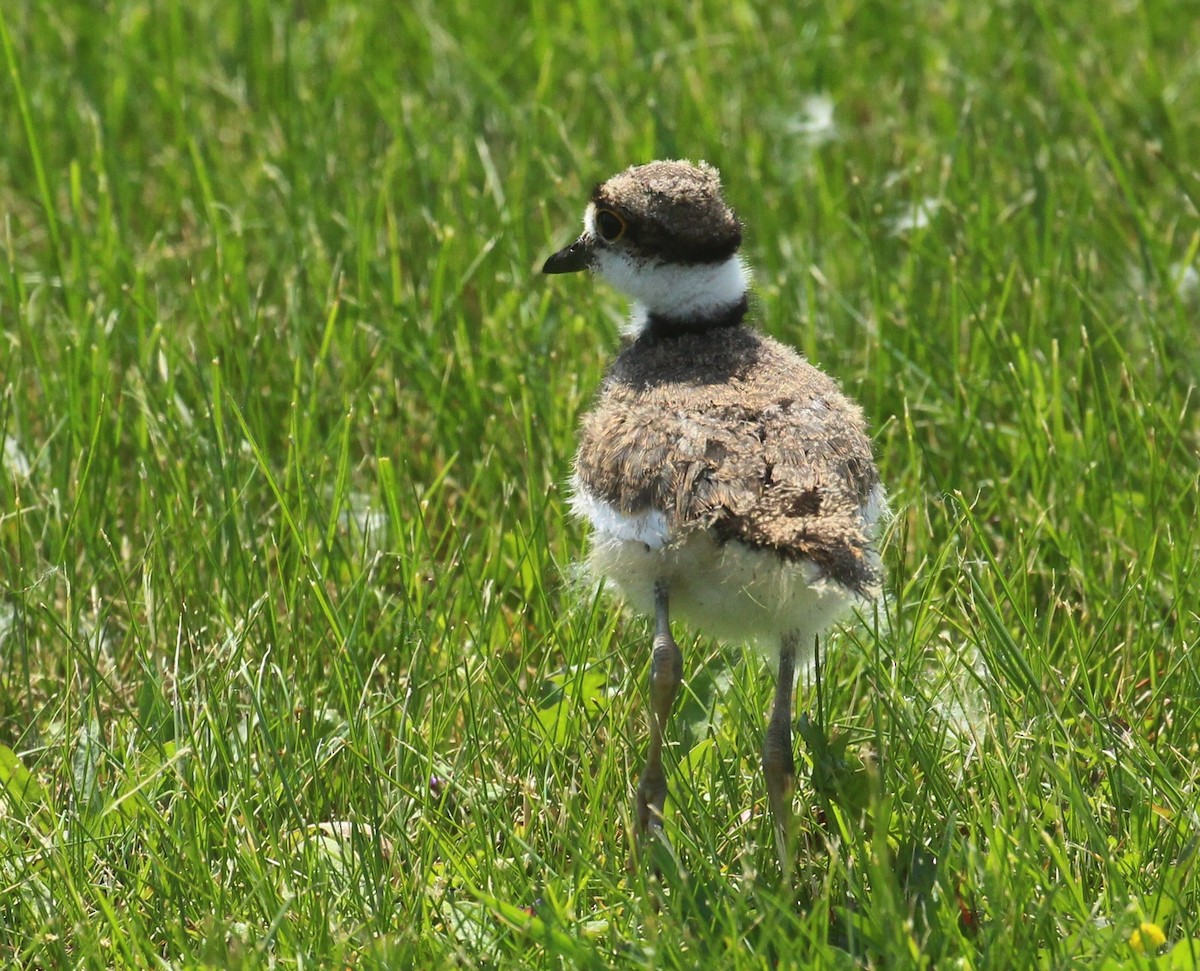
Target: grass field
<point x="297" y="668"/>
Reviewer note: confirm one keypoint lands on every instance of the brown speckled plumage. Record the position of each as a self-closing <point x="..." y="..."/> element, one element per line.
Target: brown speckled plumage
<point x="733" y="432"/>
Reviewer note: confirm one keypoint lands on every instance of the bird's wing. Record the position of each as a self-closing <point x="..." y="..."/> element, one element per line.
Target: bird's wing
<point x="782" y="462"/>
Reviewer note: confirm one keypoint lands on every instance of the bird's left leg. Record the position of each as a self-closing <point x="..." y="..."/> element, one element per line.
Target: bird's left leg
<point x="779" y="766"/>
<point x="666" y="673"/>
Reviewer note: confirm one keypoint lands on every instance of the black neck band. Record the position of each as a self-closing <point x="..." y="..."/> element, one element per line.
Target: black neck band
<point x="661" y="327"/>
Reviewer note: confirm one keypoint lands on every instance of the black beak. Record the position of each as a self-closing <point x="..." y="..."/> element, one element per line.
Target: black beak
<point x="576" y="257"/>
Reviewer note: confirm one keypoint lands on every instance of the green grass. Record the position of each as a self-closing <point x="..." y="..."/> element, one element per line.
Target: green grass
<point x="288" y="411"/>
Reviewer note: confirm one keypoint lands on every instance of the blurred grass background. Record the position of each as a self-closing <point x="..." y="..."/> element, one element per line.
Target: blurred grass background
<point x="295" y="668"/>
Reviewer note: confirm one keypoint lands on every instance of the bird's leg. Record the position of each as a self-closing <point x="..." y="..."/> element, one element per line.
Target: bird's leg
<point x="779" y="767"/>
<point x="666" y="673"/>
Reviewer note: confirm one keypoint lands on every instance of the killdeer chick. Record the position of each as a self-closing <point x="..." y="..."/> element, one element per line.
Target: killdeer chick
<point x="725" y="478"/>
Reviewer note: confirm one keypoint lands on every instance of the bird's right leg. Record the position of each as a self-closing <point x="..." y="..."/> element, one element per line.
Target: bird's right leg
<point x="779" y="767"/>
<point x="666" y="673"/>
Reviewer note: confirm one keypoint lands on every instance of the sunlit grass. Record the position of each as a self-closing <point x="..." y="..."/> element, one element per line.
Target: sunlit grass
<point x="296" y="667"/>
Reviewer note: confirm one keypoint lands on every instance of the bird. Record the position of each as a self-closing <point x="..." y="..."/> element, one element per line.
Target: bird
<point x="727" y="482"/>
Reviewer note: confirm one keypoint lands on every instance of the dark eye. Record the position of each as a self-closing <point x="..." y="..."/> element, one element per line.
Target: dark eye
<point x="609" y="225"/>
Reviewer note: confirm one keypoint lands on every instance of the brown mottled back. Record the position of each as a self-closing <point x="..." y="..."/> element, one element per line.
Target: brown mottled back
<point x="734" y="432"/>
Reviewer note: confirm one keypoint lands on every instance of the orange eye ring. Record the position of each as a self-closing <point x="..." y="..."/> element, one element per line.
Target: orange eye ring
<point x="609" y="225"/>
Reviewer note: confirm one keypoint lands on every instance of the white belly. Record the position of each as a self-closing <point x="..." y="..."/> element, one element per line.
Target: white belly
<point x="726" y="590"/>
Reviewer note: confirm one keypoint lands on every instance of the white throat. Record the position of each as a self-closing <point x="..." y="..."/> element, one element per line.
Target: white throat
<point x="675" y="290"/>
